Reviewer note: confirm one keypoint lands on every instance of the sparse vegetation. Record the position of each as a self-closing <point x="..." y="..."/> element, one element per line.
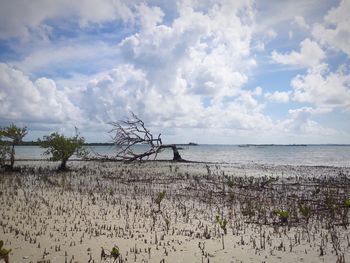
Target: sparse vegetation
<point x="13" y="136"/>
<point x="4" y="253"/>
<point x="279" y="217"/>
<point x="159" y="199"/>
<point x="61" y="148"/>
<point x="222" y="223"/>
<point x="282" y="214"/>
<point x="115" y="253"/>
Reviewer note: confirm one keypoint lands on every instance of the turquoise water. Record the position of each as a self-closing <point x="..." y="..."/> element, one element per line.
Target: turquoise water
<point x="320" y="155"/>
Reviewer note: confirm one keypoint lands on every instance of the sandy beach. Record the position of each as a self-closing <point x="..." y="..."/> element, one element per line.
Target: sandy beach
<point x="209" y="212"/>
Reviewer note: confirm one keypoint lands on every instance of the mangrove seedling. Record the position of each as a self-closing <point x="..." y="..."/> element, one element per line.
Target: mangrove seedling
<point x="167" y="223"/>
<point x="115" y="253"/>
<point x="103" y="254"/>
<point x="347" y="202"/>
<point x="262" y="214"/>
<point x="282" y="214"/>
<point x="305" y="211"/>
<point x="4" y="253"/>
<point x="222" y="223"/>
<point x="230" y="183"/>
<point x="159" y="199"/>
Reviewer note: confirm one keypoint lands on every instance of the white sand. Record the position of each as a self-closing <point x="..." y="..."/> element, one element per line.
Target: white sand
<point x="72" y="215"/>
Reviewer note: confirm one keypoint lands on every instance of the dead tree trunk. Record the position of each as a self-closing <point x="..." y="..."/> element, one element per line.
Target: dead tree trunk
<point x="132" y="132"/>
<point x="176" y="155"/>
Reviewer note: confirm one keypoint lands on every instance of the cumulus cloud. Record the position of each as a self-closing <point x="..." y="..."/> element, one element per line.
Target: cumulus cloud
<point x="188" y="73"/>
<point x="187" y="69"/>
<point x="208" y="51"/>
<point x="335" y="30"/>
<point x="126" y="88"/>
<point x="112" y="95"/>
<point x="278" y="96"/>
<point x="323" y="88"/>
<point x="299" y="122"/>
<point x="39" y="101"/>
<point x="310" y="55"/>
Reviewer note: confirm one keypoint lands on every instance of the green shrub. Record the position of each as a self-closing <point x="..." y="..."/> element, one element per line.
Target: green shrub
<point x="61" y="148"/>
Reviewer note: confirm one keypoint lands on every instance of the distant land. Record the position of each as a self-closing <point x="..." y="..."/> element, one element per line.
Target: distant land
<point x="268" y="145"/>
<point x="35" y="143"/>
<point x="304" y="145"/>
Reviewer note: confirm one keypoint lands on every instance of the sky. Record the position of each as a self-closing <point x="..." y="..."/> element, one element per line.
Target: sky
<point x="205" y="71"/>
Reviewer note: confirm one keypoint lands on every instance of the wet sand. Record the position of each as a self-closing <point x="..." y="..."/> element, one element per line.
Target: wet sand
<point x="70" y="216"/>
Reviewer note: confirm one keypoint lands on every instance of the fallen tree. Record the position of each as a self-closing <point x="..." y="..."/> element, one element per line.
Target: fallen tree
<point x="132" y="132"/>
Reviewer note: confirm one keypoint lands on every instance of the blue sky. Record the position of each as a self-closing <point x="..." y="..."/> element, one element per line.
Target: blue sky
<point x="210" y="71"/>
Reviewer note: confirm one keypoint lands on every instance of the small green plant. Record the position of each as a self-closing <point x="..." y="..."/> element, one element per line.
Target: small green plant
<point x="115" y="253"/>
<point x="4" y="253"/>
<point x="282" y="214"/>
<point x="222" y="223"/>
<point x="305" y="211"/>
<point x="159" y="199"/>
<point x="347" y="202"/>
<point x="230" y="183"/>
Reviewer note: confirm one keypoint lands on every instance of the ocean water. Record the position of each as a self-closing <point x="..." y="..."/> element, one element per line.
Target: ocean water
<point x="317" y="155"/>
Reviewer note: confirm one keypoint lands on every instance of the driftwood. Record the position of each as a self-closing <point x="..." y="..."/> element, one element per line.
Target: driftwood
<point x="132" y="132"/>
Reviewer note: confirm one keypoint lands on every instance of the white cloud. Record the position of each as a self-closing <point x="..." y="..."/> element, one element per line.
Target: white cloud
<point x="23" y="99"/>
<point x="186" y="74"/>
<point x="126" y="88"/>
<point x="271" y="33"/>
<point x="112" y="95"/>
<point x="300" y="21"/>
<point x="323" y="88"/>
<point x="208" y="49"/>
<point x="149" y="16"/>
<point x="279" y="14"/>
<point x="310" y="55"/>
<point x="335" y="30"/>
<point x="299" y="122"/>
<point x="18" y="18"/>
<point x="258" y="91"/>
<point x="182" y="74"/>
<point x="278" y="96"/>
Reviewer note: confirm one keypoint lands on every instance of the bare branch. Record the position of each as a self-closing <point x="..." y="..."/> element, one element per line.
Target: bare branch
<point x="132" y="132"/>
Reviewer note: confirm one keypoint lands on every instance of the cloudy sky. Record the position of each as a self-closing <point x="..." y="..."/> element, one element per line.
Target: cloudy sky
<point x="231" y="71"/>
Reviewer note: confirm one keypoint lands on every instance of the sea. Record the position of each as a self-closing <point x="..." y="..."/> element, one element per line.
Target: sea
<point x="312" y="155"/>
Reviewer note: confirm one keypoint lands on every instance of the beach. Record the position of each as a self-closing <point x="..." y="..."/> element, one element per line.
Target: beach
<point x="208" y="213"/>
